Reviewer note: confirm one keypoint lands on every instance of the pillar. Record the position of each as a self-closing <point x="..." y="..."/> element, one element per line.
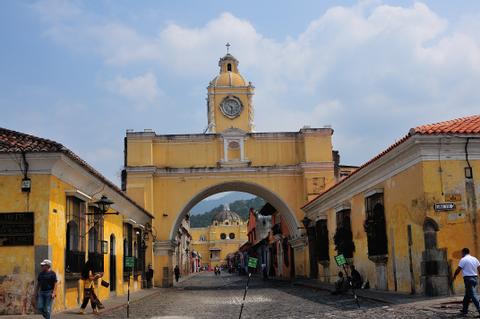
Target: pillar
<point x="163" y="255"/>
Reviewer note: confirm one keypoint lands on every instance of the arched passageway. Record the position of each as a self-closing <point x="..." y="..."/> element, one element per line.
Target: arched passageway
<point x="240" y="186"/>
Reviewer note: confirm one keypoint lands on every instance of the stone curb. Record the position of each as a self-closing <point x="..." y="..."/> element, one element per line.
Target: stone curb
<point x="313" y="286"/>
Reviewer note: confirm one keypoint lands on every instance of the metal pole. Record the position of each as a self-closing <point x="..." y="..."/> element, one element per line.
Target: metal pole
<point x="351" y="285"/>
<point x="128" y="297"/>
<point x="244" y="295"/>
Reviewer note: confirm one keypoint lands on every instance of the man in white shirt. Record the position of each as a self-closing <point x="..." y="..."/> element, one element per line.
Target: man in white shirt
<point x="469" y="266"/>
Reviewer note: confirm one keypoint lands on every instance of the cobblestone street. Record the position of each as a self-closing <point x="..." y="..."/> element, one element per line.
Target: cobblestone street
<point x="207" y="296"/>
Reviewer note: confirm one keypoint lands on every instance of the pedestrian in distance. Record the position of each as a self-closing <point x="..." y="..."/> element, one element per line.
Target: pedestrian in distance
<point x="469" y="266"/>
<point x="341" y="285"/>
<point x="149" y="276"/>
<point x="45" y="290"/>
<point x="356" y="277"/>
<point x="176" y="271"/>
<point x="89" y="278"/>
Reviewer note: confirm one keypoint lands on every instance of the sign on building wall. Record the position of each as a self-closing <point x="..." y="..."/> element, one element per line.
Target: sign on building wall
<point x="16" y="229"/>
<point x="129" y="262"/>
<point x="340" y="260"/>
<point x="442" y="207"/>
<point x="252" y="262"/>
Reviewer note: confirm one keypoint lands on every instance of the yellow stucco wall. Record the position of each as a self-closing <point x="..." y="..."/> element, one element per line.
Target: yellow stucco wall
<point x="17" y="263"/>
<point x="47" y="200"/>
<point x="409" y="198"/>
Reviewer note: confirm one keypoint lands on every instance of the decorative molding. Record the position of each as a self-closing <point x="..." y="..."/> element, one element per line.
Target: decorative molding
<point x="299" y="242"/>
<point x="416" y="149"/>
<point x="343" y="206"/>
<point x="78" y="194"/>
<point x="164" y="247"/>
<point x="373" y="192"/>
<point x="80" y="180"/>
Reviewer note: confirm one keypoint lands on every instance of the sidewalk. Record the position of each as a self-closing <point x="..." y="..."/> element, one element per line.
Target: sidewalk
<point x="110" y="304"/>
<point x="387" y="297"/>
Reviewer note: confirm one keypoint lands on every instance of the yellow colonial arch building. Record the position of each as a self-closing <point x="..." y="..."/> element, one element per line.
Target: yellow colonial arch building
<point x="169" y="174"/>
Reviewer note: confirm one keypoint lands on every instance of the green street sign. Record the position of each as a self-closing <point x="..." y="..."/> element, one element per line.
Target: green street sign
<point x="129" y="262"/>
<point x="340" y="260"/>
<point x="252" y="262"/>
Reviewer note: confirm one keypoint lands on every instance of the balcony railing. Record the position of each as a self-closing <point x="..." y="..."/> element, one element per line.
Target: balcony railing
<point x="74" y="261"/>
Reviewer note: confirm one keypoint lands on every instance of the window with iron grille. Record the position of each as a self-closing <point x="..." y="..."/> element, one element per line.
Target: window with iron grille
<point x="139" y="253"/>
<point x="343" y="237"/>
<point x="127" y="248"/>
<point x="375" y="225"/>
<point x="95" y="238"/>
<point x="322" y="240"/>
<point x="75" y="239"/>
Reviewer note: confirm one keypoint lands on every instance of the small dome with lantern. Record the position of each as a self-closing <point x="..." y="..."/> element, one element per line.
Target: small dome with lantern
<point x="226" y="217"/>
<point x="229" y="75"/>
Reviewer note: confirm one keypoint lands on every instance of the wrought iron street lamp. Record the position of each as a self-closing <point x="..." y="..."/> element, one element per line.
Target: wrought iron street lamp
<point x="103" y="205"/>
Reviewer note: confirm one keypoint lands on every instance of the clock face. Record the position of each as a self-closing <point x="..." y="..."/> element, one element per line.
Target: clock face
<point x="231" y="107"/>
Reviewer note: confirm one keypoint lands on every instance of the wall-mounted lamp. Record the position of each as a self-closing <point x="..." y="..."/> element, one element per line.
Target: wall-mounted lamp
<point x="468" y="172"/>
<point x="26" y="185"/>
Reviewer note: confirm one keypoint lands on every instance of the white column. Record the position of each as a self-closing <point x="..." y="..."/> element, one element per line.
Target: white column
<point x="225" y="150"/>
<point x="242" y="155"/>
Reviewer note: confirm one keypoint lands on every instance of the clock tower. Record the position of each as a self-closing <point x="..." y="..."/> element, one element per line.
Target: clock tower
<point x="229" y="100"/>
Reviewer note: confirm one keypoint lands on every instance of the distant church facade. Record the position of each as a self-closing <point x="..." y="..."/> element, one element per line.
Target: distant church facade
<point x="221" y="239"/>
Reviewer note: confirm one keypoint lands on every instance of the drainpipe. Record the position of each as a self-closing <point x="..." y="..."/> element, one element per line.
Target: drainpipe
<point x="471" y="199"/>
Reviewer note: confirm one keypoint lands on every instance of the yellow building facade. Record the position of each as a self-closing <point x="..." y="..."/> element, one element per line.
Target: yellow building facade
<point x="408" y="212"/>
<point x="169" y="174"/>
<point x="47" y="196"/>
<point x="223" y="237"/>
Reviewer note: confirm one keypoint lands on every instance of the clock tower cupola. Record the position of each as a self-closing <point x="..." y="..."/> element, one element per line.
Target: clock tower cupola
<point x="229" y="100"/>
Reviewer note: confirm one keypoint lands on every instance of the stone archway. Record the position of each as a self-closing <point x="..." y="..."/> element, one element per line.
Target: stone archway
<point x="164" y="247"/>
<point x="240" y="186"/>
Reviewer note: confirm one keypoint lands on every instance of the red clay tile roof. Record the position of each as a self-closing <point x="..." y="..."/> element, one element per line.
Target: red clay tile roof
<point x="462" y="125"/>
<point x="17" y="142"/>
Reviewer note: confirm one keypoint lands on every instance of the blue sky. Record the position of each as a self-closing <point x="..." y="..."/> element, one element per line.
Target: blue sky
<point x="82" y="72"/>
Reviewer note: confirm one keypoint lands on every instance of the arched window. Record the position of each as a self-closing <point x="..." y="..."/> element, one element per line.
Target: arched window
<point x="375" y="225"/>
<point x="229" y="67"/>
<point x="226" y="223"/>
<point x="72" y="236"/>
<point x="112" y="244"/>
<point x="231" y="236"/>
<point x="430" y="229"/>
<point x="93" y="244"/>
<point x="223" y="236"/>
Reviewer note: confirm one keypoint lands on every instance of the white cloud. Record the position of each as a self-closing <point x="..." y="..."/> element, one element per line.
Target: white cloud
<point x="370" y="70"/>
<point x="142" y="88"/>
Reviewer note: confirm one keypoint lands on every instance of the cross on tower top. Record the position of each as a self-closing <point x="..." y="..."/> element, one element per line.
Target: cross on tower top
<point x="228" y="47"/>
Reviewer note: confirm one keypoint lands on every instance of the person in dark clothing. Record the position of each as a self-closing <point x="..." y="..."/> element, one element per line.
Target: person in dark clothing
<point x="149" y="276"/>
<point x="45" y="291"/>
<point x="356" y="277"/>
<point x="341" y="285"/>
<point x="89" y="278"/>
<point x="176" y="271"/>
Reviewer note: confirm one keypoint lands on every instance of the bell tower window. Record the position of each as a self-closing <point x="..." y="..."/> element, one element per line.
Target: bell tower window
<point x="229" y="67"/>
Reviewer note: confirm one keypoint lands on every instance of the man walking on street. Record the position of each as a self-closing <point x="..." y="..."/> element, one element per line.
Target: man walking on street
<point x="176" y="271"/>
<point x="45" y="291"/>
<point x="469" y="266"/>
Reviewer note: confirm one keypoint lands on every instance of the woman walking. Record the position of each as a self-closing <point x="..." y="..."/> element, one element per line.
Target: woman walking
<point x="89" y="278"/>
